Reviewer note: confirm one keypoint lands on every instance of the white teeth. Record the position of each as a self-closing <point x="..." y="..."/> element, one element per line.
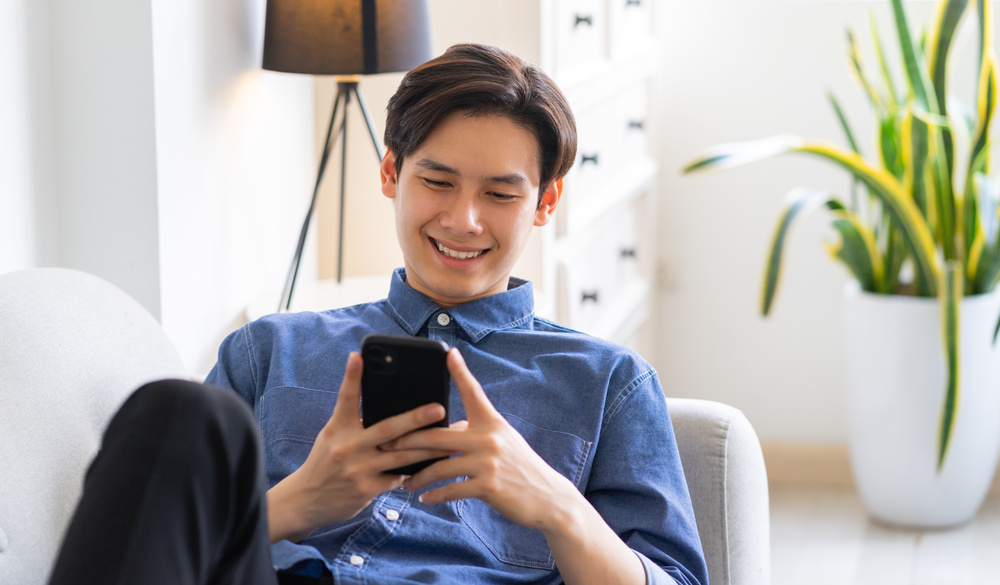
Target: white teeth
<point x="457" y="255"/>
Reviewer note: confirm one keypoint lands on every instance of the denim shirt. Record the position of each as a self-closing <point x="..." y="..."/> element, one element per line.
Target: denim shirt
<point x="593" y="410"/>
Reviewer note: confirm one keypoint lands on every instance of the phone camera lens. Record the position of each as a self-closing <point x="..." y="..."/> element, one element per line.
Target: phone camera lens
<point x="388" y="359"/>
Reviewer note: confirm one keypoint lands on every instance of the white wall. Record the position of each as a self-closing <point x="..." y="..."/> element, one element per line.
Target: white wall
<point x="235" y="163"/>
<point x="141" y="142"/>
<point x="736" y="71"/>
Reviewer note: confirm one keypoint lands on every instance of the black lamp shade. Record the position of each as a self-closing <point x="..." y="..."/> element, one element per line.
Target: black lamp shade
<point x="346" y="37"/>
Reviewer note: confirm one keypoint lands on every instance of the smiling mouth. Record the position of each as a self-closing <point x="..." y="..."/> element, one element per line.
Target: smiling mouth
<point x="455" y="253"/>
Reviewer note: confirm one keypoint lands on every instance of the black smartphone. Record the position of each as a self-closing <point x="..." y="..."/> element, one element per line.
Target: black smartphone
<point x="400" y="374"/>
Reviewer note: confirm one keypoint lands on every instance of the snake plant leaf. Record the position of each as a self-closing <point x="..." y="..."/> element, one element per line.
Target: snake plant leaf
<point x="916" y="76"/>
<point x="946" y="20"/>
<point x="859" y="71"/>
<point x="987" y="266"/>
<point x="915" y="146"/>
<point x="952" y="279"/>
<point x="879" y="182"/>
<point x="971" y="229"/>
<point x="798" y="202"/>
<point x="843" y="121"/>
<point x="986" y="104"/>
<point x="893" y="101"/>
<point x="850" y="139"/>
<point x="985" y="13"/>
<point x="857" y="250"/>
<point x="889" y="139"/>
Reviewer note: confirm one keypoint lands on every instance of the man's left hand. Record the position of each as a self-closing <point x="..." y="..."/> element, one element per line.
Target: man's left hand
<point x="503" y="470"/>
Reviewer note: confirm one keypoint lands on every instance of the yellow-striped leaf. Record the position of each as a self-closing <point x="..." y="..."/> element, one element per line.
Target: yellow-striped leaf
<point x="798" y="202"/>
<point x="880" y="183"/>
<point x="951" y="286"/>
<point x="892" y="102"/>
<point x="857" y="250"/>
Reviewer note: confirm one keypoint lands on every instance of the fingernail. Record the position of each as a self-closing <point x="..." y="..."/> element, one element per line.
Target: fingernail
<point x="434" y="412"/>
<point x="420" y="498"/>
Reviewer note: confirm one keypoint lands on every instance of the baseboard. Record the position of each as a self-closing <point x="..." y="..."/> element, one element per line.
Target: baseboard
<point x="814" y="465"/>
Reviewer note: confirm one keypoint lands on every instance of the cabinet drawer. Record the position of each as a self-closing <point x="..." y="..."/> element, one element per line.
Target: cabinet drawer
<point x="596" y="273"/>
<point x="611" y="140"/>
<point x="630" y="29"/>
<point x="581" y="38"/>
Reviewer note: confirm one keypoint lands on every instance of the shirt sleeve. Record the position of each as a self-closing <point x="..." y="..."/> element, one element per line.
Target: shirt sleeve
<point x="637" y="485"/>
<point x="235" y="368"/>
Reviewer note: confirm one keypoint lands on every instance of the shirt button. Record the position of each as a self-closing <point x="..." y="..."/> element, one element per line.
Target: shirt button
<point x="443" y="319"/>
<point x="392" y="515"/>
<point x="357" y="560"/>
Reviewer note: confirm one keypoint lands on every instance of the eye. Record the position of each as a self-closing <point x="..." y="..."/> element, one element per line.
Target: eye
<point x="502" y="196"/>
<point x="433" y="183"/>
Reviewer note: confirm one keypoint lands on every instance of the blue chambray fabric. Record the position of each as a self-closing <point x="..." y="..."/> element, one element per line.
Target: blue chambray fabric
<point x="593" y="410"/>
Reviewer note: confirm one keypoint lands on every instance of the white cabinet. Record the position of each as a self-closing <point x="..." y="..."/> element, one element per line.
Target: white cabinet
<point x="602" y="54"/>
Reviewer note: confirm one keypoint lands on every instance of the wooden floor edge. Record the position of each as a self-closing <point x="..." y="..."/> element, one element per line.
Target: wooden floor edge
<point x="814" y="465"/>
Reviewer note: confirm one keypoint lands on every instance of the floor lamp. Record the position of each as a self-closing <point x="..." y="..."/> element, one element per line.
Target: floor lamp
<point x="347" y="39"/>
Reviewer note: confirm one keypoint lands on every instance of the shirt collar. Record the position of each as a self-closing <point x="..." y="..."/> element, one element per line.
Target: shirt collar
<point x="507" y="310"/>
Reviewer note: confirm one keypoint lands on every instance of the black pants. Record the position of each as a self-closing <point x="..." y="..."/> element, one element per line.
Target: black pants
<point x="175" y="496"/>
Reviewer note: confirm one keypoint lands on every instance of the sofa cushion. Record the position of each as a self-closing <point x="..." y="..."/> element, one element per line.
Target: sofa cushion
<point x="72" y="348"/>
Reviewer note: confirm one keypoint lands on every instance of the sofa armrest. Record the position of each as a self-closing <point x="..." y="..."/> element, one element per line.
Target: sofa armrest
<point x="725" y="474"/>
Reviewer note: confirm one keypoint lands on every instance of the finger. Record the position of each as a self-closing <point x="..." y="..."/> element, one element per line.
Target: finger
<point x="348" y="408"/>
<point x="476" y="403"/>
<point x="392" y="428"/>
<point x="450" y="468"/>
<point x="435" y="438"/>
<point x="387" y="461"/>
<point x="459" y="490"/>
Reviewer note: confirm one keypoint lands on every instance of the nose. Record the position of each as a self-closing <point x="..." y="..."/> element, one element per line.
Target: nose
<point x="462" y="216"/>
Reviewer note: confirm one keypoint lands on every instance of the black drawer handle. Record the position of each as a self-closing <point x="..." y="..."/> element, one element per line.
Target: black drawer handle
<point x="637" y="124"/>
<point x="633" y="3"/>
<point x="588" y="158"/>
<point x="585" y="19"/>
<point x="628" y="252"/>
<point x="589" y="296"/>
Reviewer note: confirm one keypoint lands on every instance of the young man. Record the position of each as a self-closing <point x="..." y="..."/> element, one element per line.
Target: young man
<point x="562" y="466"/>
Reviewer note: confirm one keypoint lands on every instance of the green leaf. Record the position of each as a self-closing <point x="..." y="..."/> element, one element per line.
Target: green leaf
<point x="946" y="20"/>
<point x="916" y="146"/>
<point x="890" y="153"/>
<point x="880" y="183"/>
<point x="951" y="286"/>
<point x="843" y="121"/>
<point x="915" y="75"/>
<point x="985" y="103"/>
<point x="798" y="202"/>
<point x="859" y="71"/>
<point x="893" y="101"/>
<point x="857" y="250"/>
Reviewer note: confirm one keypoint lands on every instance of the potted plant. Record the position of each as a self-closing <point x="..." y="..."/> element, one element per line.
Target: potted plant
<point x="921" y="236"/>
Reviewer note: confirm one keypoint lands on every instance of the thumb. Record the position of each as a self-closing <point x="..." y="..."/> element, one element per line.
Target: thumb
<point x="477" y="404"/>
<point x="348" y="409"/>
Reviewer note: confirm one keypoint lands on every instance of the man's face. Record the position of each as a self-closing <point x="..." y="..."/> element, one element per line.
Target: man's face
<point x="466" y="201"/>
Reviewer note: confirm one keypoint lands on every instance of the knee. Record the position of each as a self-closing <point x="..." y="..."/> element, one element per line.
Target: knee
<point x="199" y="406"/>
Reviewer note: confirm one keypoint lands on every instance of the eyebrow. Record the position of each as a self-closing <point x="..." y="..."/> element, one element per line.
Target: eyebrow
<point x="512" y="179"/>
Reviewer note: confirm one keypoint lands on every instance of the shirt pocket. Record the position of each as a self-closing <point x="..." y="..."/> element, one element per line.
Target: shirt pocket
<point x="290" y="419"/>
<point x="509" y="542"/>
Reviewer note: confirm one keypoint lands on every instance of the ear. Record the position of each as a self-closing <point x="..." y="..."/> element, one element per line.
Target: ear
<point x="550" y="199"/>
<point x="387" y="172"/>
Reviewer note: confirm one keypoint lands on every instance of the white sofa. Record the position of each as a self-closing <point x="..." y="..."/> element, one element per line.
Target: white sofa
<point x="72" y="347"/>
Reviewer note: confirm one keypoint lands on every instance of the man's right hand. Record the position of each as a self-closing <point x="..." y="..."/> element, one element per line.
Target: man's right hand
<point x="344" y="470"/>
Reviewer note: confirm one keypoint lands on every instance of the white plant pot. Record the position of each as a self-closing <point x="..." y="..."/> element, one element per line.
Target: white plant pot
<point x="896" y="388"/>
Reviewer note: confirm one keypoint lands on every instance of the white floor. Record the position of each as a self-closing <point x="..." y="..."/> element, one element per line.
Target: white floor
<point x="822" y="536"/>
